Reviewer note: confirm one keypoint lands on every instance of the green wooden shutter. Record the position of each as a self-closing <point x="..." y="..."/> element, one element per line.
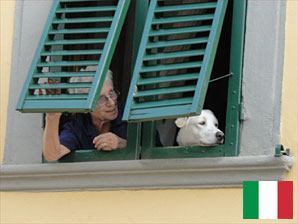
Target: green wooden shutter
<point x="174" y="62"/>
<point x="77" y="33"/>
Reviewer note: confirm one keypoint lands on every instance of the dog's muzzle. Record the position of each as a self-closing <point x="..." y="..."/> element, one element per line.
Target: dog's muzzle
<point x="220" y="136"/>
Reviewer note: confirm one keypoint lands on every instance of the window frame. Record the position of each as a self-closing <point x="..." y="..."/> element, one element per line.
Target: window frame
<point x="234" y="106"/>
<point x="148" y="129"/>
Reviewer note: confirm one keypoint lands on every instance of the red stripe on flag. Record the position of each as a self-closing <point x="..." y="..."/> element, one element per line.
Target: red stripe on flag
<point x="285" y="200"/>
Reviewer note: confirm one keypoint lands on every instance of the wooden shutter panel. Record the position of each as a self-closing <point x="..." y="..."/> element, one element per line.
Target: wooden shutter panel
<point x="175" y="59"/>
<point x="78" y="33"/>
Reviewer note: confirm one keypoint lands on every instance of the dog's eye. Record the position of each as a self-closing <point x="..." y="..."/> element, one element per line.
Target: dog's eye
<point x="202" y="123"/>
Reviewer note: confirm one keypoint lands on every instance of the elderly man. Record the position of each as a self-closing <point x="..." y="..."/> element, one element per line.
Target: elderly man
<point x="102" y="129"/>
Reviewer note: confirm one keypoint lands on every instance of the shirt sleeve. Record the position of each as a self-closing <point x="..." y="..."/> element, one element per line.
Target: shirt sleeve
<point x="68" y="138"/>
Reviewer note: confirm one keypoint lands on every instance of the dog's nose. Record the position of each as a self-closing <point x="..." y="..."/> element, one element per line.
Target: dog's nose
<point x="220" y="136"/>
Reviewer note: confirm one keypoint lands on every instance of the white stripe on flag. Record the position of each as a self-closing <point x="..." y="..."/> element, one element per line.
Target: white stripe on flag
<point x="268" y="200"/>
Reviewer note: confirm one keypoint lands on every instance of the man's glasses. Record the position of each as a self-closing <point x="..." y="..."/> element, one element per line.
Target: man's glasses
<point x="103" y="100"/>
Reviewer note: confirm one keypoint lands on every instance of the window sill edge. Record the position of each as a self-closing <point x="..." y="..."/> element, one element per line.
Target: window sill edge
<point x="220" y="172"/>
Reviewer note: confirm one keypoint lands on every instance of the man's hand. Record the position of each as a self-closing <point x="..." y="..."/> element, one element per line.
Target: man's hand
<point x="108" y="141"/>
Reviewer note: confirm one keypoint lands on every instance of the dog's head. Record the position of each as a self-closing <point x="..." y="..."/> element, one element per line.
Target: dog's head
<point x="199" y="130"/>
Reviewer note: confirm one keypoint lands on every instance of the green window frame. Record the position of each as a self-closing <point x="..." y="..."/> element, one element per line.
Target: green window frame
<point x="141" y="135"/>
<point x="146" y="139"/>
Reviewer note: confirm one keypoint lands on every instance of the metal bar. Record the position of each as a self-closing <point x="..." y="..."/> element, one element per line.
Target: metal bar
<point x="221" y="77"/>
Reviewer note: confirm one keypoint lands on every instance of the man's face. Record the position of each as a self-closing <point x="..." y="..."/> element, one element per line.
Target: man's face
<point x="109" y="110"/>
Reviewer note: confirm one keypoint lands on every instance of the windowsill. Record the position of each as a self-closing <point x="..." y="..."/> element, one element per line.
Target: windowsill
<point x="144" y="174"/>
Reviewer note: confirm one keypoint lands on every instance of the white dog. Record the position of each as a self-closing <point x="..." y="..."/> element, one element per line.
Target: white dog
<point x="199" y="130"/>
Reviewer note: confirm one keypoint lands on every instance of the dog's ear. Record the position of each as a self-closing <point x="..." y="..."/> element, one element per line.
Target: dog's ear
<point x="181" y="122"/>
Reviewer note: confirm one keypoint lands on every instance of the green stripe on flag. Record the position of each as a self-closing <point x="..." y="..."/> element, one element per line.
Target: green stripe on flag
<point x="250" y="199"/>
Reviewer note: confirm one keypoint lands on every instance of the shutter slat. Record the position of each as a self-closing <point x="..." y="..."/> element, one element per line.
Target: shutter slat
<point x="159" y="68"/>
<point x="179" y="31"/>
<point x="180" y="19"/>
<point x="160" y="103"/>
<point x="172" y="78"/>
<point x="79" y="41"/>
<point x="60" y="86"/>
<point x="172" y="43"/>
<point x="172" y="90"/>
<point x="66" y="63"/>
<point x="182" y="7"/>
<point x="81" y="52"/>
<point x="80" y="31"/>
<point x="86" y="9"/>
<point x="83" y="20"/>
<point x="178" y="44"/>
<point x="174" y="55"/>
<point x="157" y="112"/>
<point x="55" y="106"/>
<point x="59" y="97"/>
<point x="63" y="74"/>
<point x="66" y="48"/>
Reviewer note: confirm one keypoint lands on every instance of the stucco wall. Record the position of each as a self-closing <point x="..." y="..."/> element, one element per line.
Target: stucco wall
<point x="289" y="119"/>
<point x="6" y="39"/>
<point x="160" y="206"/>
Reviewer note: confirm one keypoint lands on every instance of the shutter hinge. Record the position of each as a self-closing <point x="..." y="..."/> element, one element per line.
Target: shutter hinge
<point x="279" y="151"/>
<point x="241" y="112"/>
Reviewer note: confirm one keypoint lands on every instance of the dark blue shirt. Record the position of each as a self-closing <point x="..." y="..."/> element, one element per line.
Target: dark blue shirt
<point x="80" y="132"/>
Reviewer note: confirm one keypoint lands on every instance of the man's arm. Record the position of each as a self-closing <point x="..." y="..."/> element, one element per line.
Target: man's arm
<point x="52" y="149"/>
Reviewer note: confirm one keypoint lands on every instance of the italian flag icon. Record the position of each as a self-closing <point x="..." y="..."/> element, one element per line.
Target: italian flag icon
<point x="268" y="200"/>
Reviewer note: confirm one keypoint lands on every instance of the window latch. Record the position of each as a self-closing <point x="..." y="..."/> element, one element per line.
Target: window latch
<point x="280" y="151"/>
